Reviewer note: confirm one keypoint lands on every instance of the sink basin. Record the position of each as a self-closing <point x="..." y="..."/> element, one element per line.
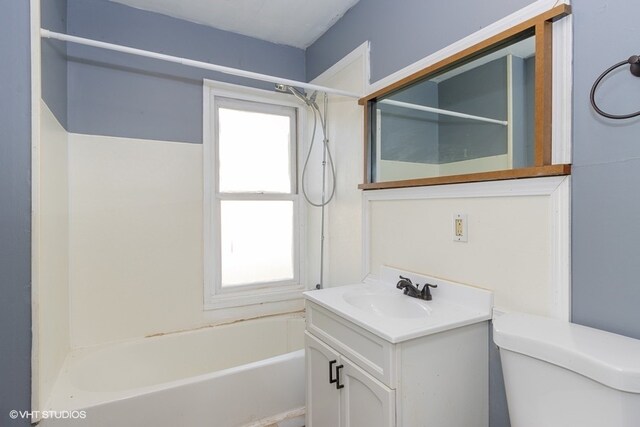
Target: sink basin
<point x="388" y="305"/>
<point x="377" y="306"/>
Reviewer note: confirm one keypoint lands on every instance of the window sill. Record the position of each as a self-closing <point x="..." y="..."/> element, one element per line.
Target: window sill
<point x="533" y="172"/>
<point x="240" y="299"/>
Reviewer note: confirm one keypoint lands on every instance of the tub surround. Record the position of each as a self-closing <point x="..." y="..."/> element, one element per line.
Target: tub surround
<point x="52" y="291"/>
<point x="101" y="209"/>
<point x="135" y="232"/>
<point x="136" y="241"/>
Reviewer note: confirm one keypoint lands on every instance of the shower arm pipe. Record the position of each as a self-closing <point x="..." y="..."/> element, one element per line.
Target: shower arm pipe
<point x="44" y="33"/>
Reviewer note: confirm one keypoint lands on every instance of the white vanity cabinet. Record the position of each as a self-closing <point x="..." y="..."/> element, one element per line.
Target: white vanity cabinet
<point x="321" y="361"/>
<point x="367" y="370"/>
<point x="343" y="394"/>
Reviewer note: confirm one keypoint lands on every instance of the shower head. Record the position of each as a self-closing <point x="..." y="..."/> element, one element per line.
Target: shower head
<point x="300" y="95"/>
<point x="297" y="93"/>
<point x="313" y="96"/>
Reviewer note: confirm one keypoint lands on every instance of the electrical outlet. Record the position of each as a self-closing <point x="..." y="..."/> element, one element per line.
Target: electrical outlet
<point x="460" y="227"/>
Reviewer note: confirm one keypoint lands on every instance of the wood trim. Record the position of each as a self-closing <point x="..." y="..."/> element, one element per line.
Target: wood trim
<point x="367" y="145"/>
<point x="532" y="172"/>
<point x="543" y="93"/>
<point x="550" y="15"/>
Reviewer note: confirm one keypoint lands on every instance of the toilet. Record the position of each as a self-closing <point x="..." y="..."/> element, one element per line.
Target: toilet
<point x="559" y="374"/>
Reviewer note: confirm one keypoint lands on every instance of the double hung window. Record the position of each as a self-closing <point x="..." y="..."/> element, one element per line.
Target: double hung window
<point x="253" y="249"/>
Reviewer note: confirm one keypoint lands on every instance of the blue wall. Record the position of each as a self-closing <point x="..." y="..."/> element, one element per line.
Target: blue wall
<point x="482" y="92"/>
<point x="410" y="135"/>
<point x="606" y="170"/>
<point x="15" y="210"/>
<point x="415" y="136"/>
<point x="403" y="32"/>
<point x="54" y="59"/>
<point x="122" y="95"/>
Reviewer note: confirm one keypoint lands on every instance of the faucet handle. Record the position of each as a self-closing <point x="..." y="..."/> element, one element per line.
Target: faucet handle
<point x="406" y="278"/>
<point x="426" y="292"/>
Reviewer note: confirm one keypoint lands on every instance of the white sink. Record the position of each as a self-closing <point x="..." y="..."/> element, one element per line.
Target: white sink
<point x="382" y="309"/>
<point x="386" y="305"/>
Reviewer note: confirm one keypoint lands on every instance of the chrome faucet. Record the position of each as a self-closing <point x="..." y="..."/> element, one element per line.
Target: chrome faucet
<point x="413" y="290"/>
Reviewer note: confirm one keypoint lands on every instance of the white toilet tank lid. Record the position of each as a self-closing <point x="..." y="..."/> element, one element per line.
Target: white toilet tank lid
<point x="613" y="360"/>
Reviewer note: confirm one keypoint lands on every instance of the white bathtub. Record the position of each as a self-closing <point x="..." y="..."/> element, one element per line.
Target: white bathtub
<point x="249" y="373"/>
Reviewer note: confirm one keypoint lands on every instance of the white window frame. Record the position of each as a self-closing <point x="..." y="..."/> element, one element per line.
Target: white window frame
<point x="217" y="94"/>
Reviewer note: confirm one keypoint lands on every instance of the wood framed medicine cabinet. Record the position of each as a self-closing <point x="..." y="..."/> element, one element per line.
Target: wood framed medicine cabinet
<point x="431" y="128"/>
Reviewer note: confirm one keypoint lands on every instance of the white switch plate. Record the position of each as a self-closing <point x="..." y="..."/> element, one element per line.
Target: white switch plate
<point x="460" y="227"/>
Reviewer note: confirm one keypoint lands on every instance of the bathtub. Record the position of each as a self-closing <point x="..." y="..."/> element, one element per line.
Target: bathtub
<point x="249" y="373"/>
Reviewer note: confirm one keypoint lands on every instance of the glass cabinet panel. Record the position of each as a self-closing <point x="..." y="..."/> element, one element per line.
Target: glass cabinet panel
<point x="477" y="115"/>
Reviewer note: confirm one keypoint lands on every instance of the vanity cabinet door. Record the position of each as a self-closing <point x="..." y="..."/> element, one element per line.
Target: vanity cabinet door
<point x="366" y="402"/>
<point x="323" y="398"/>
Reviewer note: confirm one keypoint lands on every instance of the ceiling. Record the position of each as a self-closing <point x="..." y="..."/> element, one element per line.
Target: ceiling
<point x="295" y="23"/>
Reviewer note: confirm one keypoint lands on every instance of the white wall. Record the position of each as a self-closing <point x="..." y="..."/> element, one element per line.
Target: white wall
<point x="135" y="237"/>
<point x="508" y="248"/>
<point x="345" y="131"/>
<point x="52" y="295"/>
<point x="136" y="240"/>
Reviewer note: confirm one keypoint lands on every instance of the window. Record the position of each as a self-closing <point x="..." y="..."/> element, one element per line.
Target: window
<point x="252" y="237"/>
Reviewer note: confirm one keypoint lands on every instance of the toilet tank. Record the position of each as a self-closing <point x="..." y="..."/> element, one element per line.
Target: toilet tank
<point x="559" y="374"/>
